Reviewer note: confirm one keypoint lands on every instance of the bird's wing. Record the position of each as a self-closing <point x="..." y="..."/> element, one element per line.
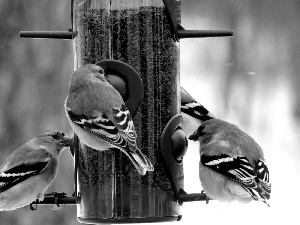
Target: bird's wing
<point x="125" y="125"/>
<point x="263" y="177"/>
<point x="100" y="126"/>
<point x="238" y="169"/>
<point x="15" y="174"/>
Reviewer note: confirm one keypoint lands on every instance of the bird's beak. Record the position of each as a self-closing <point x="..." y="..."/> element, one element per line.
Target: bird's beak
<point x="195" y="136"/>
<point x="65" y="141"/>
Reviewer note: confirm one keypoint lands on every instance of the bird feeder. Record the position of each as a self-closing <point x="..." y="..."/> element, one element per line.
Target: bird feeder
<point x="137" y="44"/>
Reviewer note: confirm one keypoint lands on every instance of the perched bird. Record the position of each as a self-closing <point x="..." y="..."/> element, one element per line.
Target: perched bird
<point x="193" y="113"/>
<point x="29" y="170"/>
<point x="232" y="164"/>
<point x="100" y="118"/>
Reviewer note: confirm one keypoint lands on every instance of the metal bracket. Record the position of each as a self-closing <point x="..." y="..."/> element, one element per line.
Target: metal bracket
<point x="184" y="197"/>
<point x="182" y="33"/>
<point x="67" y="35"/>
<point x="174" y="15"/>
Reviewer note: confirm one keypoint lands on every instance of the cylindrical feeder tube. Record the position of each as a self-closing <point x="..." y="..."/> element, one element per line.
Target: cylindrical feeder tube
<point x="138" y="33"/>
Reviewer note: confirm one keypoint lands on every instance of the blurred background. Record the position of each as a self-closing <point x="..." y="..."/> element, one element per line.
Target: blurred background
<point x="251" y="80"/>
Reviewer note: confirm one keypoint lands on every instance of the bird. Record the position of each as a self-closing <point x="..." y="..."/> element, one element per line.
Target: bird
<point x="193" y="113"/>
<point x="232" y="165"/>
<point x="99" y="116"/>
<point x="28" y="172"/>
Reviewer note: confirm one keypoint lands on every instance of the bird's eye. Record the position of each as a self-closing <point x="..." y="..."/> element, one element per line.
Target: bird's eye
<point x="101" y="71"/>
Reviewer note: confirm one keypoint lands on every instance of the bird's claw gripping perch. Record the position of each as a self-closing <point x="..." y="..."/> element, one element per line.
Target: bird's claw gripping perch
<point x="56" y="196"/>
<point x="207" y="198"/>
<point x="33" y="205"/>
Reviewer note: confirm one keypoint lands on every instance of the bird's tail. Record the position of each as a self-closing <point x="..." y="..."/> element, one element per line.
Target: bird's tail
<point x="256" y="194"/>
<point x="139" y="160"/>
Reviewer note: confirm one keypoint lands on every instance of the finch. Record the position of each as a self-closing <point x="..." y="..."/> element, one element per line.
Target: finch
<point x="99" y="116"/>
<point x="232" y="165"/>
<point x="27" y="173"/>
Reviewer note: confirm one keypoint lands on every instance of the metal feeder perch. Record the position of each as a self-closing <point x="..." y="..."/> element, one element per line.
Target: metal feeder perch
<point x="137" y="43"/>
